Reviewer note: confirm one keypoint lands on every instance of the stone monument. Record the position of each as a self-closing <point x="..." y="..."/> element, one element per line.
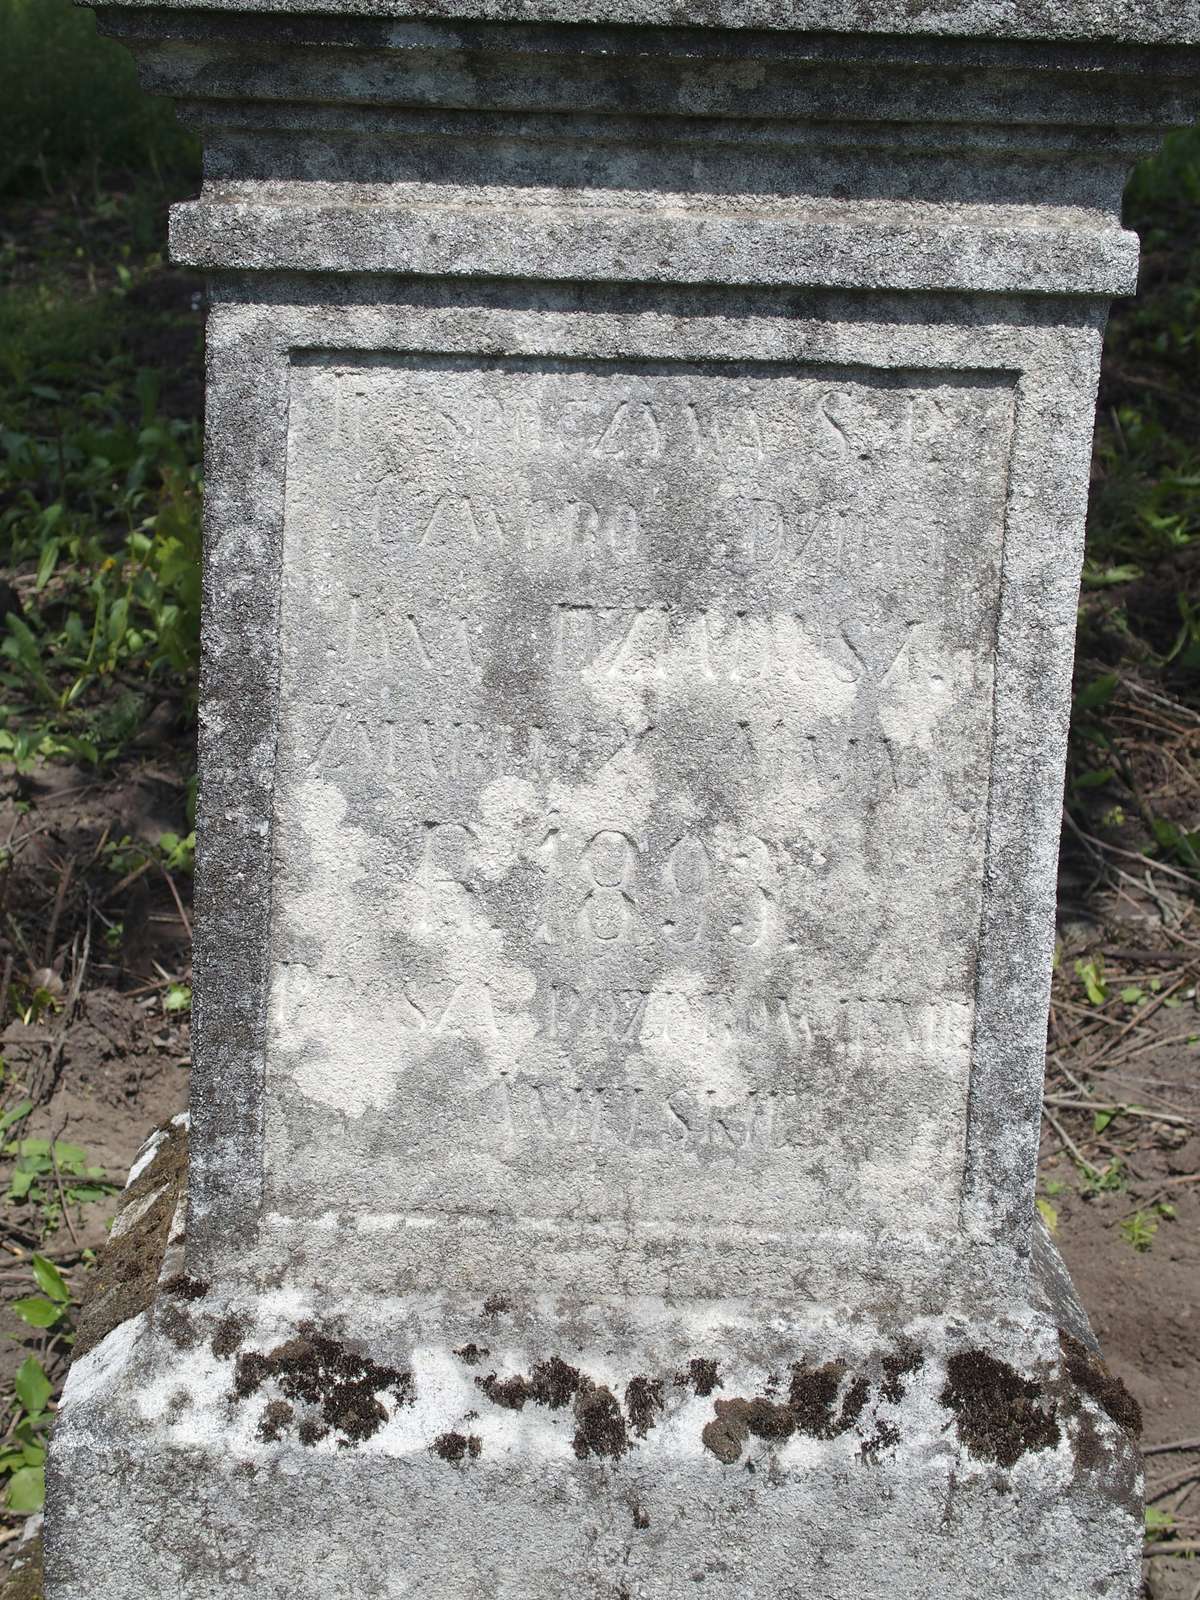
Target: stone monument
<point x="647" y="460"/>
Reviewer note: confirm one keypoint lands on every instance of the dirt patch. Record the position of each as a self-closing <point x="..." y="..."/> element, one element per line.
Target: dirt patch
<point x="338" y="1388"/>
<point x="1001" y="1416"/>
<point x="472" y="1354"/>
<point x="24" y="1581"/>
<point x="736" y="1420"/>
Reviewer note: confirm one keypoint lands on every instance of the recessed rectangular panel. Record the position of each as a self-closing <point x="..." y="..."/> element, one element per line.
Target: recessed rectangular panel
<point x="632" y="789"/>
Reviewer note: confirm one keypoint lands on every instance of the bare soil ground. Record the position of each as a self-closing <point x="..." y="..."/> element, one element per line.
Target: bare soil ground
<point x="1120" y="1166"/>
<point x="106" y="937"/>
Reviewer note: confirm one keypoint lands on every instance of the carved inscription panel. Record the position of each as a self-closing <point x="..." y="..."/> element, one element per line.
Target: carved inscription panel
<point x="632" y="789"/>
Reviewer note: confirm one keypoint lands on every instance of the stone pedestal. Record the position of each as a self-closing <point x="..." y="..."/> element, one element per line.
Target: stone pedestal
<point x="647" y="461"/>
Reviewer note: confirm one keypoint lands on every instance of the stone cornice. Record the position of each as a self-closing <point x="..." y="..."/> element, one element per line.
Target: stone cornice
<point x="1131" y="21"/>
<point x="356" y="142"/>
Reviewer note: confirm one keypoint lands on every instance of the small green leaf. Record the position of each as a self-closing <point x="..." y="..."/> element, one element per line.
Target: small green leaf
<point x="1132" y="994"/>
<point x="22" y="1182"/>
<point x="1158" y="1521"/>
<point x="47" y="564"/>
<point x="1102" y="1119"/>
<point x="1139" y="1230"/>
<point x="177" y="998"/>
<point x="50" y="1280"/>
<point x="1048" y="1213"/>
<point x="1094" y="779"/>
<point x="1091" y="974"/>
<point x="38" y="1313"/>
<point x="27" y="1490"/>
<point x="16" y="1114"/>
<point x="31" y="1384"/>
<point x="1097" y="693"/>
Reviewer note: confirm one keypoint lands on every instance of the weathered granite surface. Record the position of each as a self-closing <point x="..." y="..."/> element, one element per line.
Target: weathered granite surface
<point x="645" y="489"/>
<point x="1134" y="21"/>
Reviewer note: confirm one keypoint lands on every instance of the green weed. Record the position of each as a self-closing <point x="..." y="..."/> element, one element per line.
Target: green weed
<point x="46" y="1174"/>
<point x="69" y="100"/>
<point x="1107" y="1180"/>
<point x="1158" y="1522"/>
<point x="23" y="1454"/>
<point x="1139" y="1230"/>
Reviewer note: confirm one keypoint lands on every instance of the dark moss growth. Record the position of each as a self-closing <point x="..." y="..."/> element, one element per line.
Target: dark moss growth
<point x="276" y="1416"/>
<point x="643" y="1401"/>
<point x="316" y="1371"/>
<point x="852" y="1405"/>
<point x="885" y="1437"/>
<point x="1088" y="1446"/>
<point x="701" y="1375"/>
<point x="125" y="1279"/>
<point x="185" y="1288"/>
<point x="472" y="1354"/>
<point x="903" y="1361"/>
<point x="599" y="1423"/>
<point x="1000" y="1415"/>
<point x="228" y="1336"/>
<point x="174" y="1322"/>
<point x="641" y="1517"/>
<point x="511" y="1393"/>
<point x="179" y="1402"/>
<point x="812" y="1397"/>
<point x="494" y="1305"/>
<point x="1088" y="1372"/>
<point x="551" y="1383"/>
<point x="454" y="1446"/>
<point x="311" y="1431"/>
<point x="811" y="1408"/>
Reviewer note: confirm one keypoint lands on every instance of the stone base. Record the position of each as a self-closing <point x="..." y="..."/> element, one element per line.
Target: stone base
<point x="215" y="1447"/>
